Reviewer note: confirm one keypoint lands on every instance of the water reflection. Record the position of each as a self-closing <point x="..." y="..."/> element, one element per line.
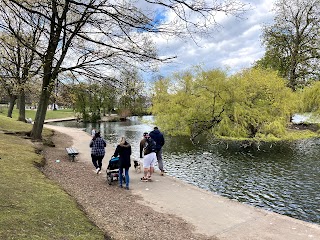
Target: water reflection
<point x="281" y="177"/>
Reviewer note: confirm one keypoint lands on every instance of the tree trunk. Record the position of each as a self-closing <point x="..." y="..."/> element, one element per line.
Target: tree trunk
<point x="22" y="106"/>
<point x="41" y="110"/>
<point x="12" y="101"/>
<point x="18" y="103"/>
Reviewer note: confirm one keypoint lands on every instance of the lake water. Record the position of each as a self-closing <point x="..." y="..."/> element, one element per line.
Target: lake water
<point x="280" y="177"/>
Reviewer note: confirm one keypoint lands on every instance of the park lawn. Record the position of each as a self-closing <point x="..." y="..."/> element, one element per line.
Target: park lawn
<point x="63" y="113"/>
<point x="9" y="125"/>
<point x="31" y="205"/>
<point x="12" y="125"/>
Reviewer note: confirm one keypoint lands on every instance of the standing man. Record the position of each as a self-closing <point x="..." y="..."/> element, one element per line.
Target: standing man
<point x="157" y="136"/>
<point x="148" y="148"/>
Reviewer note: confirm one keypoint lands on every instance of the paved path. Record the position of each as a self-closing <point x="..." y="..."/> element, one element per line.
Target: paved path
<point x="211" y="214"/>
<point x="60" y="119"/>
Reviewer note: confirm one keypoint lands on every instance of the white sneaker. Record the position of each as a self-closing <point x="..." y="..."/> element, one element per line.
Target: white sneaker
<point x="98" y="170"/>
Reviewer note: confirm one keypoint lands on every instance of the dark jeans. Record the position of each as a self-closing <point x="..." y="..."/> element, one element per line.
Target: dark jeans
<point x="97" y="161"/>
<point x="126" y="173"/>
<point x="159" y="158"/>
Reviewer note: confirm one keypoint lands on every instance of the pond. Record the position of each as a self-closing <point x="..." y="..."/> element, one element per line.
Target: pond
<point x="280" y="177"/>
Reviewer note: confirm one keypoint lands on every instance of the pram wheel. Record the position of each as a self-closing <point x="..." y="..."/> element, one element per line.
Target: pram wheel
<point x="109" y="178"/>
<point x="113" y="171"/>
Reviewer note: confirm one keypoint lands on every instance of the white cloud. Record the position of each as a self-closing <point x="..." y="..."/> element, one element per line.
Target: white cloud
<point x="237" y="44"/>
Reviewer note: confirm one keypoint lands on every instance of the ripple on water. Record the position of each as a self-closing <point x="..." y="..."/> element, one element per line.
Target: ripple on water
<point x="283" y="185"/>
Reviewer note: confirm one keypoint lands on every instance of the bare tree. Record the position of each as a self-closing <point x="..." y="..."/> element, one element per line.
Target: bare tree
<point x="18" y="64"/>
<point x="90" y="38"/>
<point x="16" y="71"/>
<point x="293" y="42"/>
<point x="9" y="88"/>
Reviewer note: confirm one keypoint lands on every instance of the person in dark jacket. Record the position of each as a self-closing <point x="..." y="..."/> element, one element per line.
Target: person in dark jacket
<point x="143" y="143"/>
<point x="97" y="145"/>
<point x="123" y="150"/>
<point x="148" y="155"/>
<point x="157" y="136"/>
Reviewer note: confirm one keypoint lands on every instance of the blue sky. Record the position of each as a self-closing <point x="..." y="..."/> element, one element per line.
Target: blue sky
<point x="235" y="45"/>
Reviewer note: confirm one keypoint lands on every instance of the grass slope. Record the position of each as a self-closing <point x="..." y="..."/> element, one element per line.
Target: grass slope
<point x="63" y="113"/>
<point x="32" y="206"/>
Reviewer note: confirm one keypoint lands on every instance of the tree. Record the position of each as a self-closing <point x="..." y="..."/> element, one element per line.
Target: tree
<point x="16" y="67"/>
<point x="132" y="100"/>
<point x="8" y="86"/>
<point x="253" y="104"/>
<point x="190" y="104"/>
<point x="65" y="95"/>
<point x="260" y="106"/>
<point x="18" y="64"/>
<point x="109" y="95"/>
<point x="88" y="38"/>
<point x="311" y="99"/>
<point x="92" y="100"/>
<point x="84" y="100"/>
<point x="293" y="41"/>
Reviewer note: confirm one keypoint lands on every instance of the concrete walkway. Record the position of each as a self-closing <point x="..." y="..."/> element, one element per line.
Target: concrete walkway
<point x="212" y="215"/>
<point x="60" y="120"/>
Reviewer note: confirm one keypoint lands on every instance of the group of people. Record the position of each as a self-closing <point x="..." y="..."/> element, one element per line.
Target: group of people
<point x="150" y="150"/>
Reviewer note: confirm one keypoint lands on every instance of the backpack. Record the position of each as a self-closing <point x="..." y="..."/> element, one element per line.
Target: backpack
<point x="151" y="145"/>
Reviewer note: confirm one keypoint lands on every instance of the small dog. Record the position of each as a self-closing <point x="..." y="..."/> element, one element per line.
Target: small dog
<point x="137" y="166"/>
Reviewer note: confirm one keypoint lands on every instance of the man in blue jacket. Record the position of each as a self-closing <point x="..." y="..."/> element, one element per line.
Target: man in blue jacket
<point x="157" y="136"/>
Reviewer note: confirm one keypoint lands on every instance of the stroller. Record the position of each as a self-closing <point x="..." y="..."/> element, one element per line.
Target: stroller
<point x="113" y="171"/>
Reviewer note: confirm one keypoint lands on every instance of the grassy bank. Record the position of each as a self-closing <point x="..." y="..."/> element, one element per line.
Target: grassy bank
<point x="32" y="206"/>
<point x="63" y="113"/>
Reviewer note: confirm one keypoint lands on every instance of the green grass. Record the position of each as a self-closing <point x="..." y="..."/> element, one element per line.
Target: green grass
<point x="32" y="206"/>
<point x="11" y="125"/>
<point x="63" y="113"/>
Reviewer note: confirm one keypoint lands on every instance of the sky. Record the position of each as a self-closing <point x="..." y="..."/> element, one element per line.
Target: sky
<point x="235" y="45"/>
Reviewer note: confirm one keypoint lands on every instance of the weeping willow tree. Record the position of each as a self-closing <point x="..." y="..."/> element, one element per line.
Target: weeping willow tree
<point x="311" y="99"/>
<point x="189" y="104"/>
<point x="261" y="105"/>
<point x="254" y="104"/>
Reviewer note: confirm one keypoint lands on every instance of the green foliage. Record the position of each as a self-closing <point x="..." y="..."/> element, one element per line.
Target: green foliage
<point x="292" y="135"/>
<point x="311" y="99"/>
<point x="191" y="103"/>
<point x="92" y="100"/>
<point x="275" y="128"/>
<point x="254" y="104"/>
<point x="260" y="104"/>
<point x="161" y="106"/>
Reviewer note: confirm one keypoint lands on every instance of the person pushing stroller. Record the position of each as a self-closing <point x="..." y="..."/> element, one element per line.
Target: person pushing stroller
<point x="123" y="150"/>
